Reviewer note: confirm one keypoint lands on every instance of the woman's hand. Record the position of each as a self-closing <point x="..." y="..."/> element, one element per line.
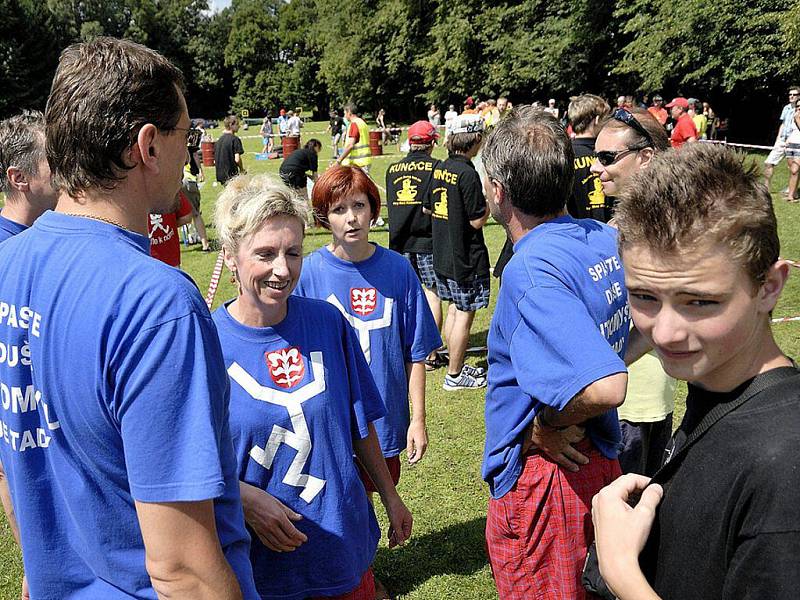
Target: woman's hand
<point x="271" y="519"/>
<point x="400" y="521"/>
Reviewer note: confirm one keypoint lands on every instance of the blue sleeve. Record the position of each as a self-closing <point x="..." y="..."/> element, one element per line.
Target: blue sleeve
<point x="171" y="403"/>
<point x="421" y="337"/>
<point x="366" y="402"/>
<point x="557" y="347"/>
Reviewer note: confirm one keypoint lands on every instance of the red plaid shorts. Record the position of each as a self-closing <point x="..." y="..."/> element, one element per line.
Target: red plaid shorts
<point x="364" y="591"/>
<point x="538" y="533"/>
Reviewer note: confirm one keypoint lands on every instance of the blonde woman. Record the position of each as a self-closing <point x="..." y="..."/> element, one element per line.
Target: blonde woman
<point x="302" y="405"/>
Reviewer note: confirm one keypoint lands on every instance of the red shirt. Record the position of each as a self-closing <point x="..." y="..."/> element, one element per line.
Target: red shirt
<point x="684" y="129"/>
<point x="659" y="113"/>
<point x="353" y="132"/>
<point x="165" y="244"/>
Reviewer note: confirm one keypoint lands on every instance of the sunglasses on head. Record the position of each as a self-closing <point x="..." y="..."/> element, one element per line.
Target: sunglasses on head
<point x="623" y="115"/>
<point x="609" y="157"/>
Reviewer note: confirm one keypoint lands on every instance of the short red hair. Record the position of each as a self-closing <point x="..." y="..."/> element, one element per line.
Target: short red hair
<point x="339" y="182"/>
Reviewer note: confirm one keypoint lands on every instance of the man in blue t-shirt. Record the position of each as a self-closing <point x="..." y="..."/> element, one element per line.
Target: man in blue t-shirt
<point x="115" y="437"/>
<point x="556" y="372"/>
<point x="24" y="173"/>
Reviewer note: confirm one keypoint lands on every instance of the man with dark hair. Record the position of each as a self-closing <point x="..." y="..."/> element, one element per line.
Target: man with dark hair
<point x="699" y="239"/>
<point x="408" y="184"/>
<point x="460" y="257"/>
<point x="626" y="144"/>
<point x="116" y="442"/>
<point x="355" y="151"/>
<point x="24" y="173"/>
<point x="556" y="372"/>
<point x="301" y="165"/>
<point x="587" y="200"/>
<point x="228" y="151"/>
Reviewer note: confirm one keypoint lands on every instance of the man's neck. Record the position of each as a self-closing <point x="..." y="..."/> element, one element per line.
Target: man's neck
<point x="519" y="225"/>
<point x="116" y="206"/>
<point x="21" y="211"/>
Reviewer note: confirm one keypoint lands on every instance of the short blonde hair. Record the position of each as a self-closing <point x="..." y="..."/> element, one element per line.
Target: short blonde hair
<point x="250" y="201"/>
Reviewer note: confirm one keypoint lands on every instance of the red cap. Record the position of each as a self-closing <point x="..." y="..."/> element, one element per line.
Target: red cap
<point x="422" y="132"/>
<point x="682" y="102"/>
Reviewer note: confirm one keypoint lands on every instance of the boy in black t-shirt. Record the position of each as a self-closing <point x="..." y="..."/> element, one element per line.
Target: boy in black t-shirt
<point x="408" y="184"/>
<point x="699" y="241"/>
<point x="228" y="151"/>
<point x="460" y="258"/>
<point x="301" y="164"/>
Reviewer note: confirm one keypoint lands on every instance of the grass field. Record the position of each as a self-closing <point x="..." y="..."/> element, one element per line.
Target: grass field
<point x="445" y="559"/>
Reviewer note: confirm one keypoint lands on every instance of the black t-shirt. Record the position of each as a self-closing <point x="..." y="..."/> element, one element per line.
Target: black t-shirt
<point x="225" y="149"/>
<point x="728" y="527"/>
<point x="294" y="167"/>
<point x="587" y="200"/>
<point x="456" y="198"/>
<point x="408" y="183"/>
<point x="337" y="124"/>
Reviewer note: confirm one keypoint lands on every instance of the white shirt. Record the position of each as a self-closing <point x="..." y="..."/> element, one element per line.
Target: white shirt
<point x="293" y="126"/>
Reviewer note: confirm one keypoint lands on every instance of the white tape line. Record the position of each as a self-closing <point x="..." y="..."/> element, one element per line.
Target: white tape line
<point x="726" y="143"/>
<point x="214" y="283"/>
<point x="785" y="319"/>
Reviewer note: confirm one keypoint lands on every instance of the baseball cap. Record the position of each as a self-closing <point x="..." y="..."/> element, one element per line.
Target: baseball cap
<point x="422" y="132"/>
<point x="467" y="124"/>
<point x="682" y="102"/>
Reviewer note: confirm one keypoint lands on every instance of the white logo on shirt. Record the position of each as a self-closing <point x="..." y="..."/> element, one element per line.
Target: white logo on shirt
<point x="364" y="327"/>
<point x="300" y="438"/>
<point x="157" y="221"/>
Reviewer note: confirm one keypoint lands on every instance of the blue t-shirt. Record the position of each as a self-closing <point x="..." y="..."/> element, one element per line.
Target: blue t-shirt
<point x="113" y="390"/>
<point x="300" y="393"/>
<point x="561" y="323"/>
<point x="383" y="300"/>
<point x="9" y="228"/>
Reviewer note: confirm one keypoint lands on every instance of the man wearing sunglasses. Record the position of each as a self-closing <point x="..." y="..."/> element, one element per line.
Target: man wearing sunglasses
<point x="779" y="150"/>
<point x="626" y="144"/>
<point x="684" y="130"/>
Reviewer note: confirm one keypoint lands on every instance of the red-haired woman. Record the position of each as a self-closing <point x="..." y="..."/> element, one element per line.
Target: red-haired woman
<point x="378" y="292"/>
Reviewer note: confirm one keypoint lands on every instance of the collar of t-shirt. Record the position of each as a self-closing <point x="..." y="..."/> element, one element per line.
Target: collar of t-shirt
<point x="563" y="223"/>
<point x="341" y="263"/>
<point x="66" y="224"/>
<point x="587" y="142"/>
<point x="700" y="402"/>
<point x="257" y="334"/>
<point x="460" y="158"/>
<point x="10" y="226"/>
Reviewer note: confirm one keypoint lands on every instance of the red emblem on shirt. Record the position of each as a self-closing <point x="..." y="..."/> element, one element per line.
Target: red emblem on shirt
<point x="286" y="366"/>
<point x="363" y="300"/>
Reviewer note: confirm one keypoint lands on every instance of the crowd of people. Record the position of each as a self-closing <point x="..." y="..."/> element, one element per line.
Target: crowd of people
<point x="150" y="448"/>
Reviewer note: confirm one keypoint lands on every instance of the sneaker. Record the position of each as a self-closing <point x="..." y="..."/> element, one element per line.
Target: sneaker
<point x="464" y="381"/>
<point x="478" y="372"/>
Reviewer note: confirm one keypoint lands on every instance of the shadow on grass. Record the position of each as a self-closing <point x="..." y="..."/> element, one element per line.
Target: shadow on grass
<point x="455" y="550"/>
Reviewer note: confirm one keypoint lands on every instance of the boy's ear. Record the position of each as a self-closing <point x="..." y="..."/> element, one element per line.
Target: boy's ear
<point x="771" y="289"/>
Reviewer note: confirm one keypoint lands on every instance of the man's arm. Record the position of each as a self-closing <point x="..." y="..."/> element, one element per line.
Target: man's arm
<point x="346" y="150"/>
<point x="637" y="346"/>
<point x="593" y="400"/>
<point x="182" y="552"/>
